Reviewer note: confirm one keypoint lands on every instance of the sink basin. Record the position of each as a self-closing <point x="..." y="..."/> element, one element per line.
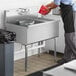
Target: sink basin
<point x="38" y="29"/>
<point x="26" y="22"/>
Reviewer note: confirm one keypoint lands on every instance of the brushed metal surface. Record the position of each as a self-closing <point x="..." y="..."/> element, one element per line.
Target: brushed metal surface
<point x="59" y="71"/>
<point x="33" y="33"/>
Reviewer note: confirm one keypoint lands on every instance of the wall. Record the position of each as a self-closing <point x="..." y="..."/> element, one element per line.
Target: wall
<point x="7" y="4"/>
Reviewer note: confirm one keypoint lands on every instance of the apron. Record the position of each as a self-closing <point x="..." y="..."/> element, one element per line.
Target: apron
<point x="67" y="17"/>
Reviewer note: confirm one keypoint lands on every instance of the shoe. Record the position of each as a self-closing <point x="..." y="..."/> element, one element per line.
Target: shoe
<point x="62" y="61"/>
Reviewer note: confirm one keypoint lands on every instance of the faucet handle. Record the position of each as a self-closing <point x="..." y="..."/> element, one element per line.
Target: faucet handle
<point x="22" y="11"/>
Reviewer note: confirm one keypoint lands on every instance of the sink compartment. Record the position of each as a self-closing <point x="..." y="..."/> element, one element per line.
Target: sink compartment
<point x="26" y="22"/>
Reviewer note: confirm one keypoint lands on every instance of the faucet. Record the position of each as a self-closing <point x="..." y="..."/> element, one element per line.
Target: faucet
<point x="22" y="11"/>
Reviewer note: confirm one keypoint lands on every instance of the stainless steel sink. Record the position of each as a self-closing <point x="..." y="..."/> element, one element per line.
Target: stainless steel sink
<point x="39" y="29"/>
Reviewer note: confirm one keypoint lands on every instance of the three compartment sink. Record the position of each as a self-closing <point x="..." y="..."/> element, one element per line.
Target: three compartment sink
<point x="32" y="29"/>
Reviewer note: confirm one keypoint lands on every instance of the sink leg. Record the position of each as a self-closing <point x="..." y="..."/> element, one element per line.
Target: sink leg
<point x="55" y="49"/>
<point x="38" y="49"/>
<point x="39" y="43"/>
<point x="25" y="58"/>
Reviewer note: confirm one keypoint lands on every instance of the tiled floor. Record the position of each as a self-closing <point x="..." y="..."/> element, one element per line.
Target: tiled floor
<point x="35" y="63"/>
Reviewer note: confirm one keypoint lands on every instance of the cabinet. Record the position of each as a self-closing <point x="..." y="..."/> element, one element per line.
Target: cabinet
<point x="60" y="71"/>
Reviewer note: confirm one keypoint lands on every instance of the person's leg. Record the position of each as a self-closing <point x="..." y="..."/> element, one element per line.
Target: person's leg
<point x="70" y="47"/>
<point x="67" y="53"/>
<point x="70" y="40"/>
<point x="67" y="56"/>
<point x="74" y="40"/>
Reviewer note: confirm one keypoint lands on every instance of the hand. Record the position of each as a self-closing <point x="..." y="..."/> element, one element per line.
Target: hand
<point x="44" y="10"/>
<point x="48" y="10"/>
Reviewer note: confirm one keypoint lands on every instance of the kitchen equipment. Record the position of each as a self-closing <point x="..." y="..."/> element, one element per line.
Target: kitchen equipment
<point x="70" y="65"/>
<point x="7" y="39"/>
<point x="56" y="11"/>
<point x="41" y="29"/>
<point x="7" y="36"/>
<point x="26" y="22"/>
<point x="59" y="70"/>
